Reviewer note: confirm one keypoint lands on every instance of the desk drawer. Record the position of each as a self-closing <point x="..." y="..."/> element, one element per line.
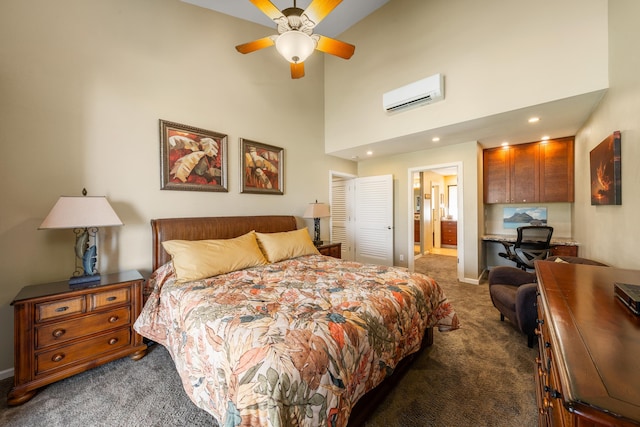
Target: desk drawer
<point x="562" y="250"/>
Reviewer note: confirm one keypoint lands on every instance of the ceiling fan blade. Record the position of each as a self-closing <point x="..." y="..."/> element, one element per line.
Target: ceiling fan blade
<point x="297" y="70"/>
<point x="255" y="45"/>
<point x="268" y="9"/>
<point x="335" y="47"/>
<point x="318" y="10"/>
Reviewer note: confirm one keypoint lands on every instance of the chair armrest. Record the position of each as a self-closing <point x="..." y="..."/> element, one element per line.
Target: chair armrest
<point x="505" y="275"/>
<point x="526" y="310"/>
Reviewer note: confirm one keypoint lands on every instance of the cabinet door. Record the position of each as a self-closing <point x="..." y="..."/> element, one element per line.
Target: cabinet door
<point x="496" y="175"/>
<point x="556" y="171"/>
<point x="524" y="161"/>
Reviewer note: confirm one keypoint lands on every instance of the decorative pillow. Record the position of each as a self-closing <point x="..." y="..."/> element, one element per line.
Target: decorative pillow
<point x="288" y="244"/>
<point x="561" y="261"/>
<point x="199" y="259"/>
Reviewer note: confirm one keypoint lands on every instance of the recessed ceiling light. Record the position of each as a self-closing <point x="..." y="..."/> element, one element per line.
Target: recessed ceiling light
<point x="504" y="144"/>
<point x="369" y="153"/>
<point x="545" y="138"/>
<point x="435" y="139"/>
<point x="534" y="119"/>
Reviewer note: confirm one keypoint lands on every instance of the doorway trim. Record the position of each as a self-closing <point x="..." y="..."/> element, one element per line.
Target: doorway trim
<point x="460" y="231"/>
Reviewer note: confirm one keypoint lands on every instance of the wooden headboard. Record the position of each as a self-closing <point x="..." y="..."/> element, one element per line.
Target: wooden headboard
<point x="222" y="227"/>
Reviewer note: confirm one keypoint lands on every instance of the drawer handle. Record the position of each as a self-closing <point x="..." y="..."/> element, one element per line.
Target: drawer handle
<point x="113" y="319"/>
<point x="112" y="298"/>
<point x="57" y="357"/>
<point x="112" y="341"/>
<point x="61" y="309"/>
<point x="58" y="333"/>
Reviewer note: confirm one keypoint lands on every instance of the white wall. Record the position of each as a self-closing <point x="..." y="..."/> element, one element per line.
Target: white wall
<point x="496" y="56"/>
<point x="84" y="83"/>
<point x="610" y="233"/>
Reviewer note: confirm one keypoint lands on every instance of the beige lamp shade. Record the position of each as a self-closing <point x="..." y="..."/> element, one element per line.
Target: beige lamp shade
<point x="81" y="212"/>
<point x="317" y="210"/>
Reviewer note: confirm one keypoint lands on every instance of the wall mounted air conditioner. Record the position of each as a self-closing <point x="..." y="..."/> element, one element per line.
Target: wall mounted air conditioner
<point x="425" y="91"/>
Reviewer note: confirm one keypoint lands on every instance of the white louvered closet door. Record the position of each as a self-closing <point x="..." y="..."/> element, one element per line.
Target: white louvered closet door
<point x="342" y="218"/>
<point x="374" y="219"/>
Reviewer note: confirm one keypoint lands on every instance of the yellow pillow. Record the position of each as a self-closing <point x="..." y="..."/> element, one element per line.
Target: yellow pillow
<point x="199" y="259"/>
<point x="288" y="244"/>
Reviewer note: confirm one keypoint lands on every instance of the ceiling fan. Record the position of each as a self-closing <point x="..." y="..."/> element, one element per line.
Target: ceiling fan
<point x="295" y="40"/>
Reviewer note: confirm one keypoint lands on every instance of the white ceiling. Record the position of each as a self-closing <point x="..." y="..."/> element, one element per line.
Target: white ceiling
<point x="342" y="17"/>
<point x="559" y="118"/>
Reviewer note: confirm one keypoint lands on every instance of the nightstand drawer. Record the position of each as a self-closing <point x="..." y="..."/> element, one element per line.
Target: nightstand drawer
<point x="89" y="349"/>
<point x="65" y="307"/>
<point x="105" y="299"/>
<point x="55" y="333"/>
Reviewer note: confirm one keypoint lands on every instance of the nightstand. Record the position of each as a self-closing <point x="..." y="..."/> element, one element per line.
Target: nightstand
<point x="61" y="330"/>
<point x="331" y="249"/>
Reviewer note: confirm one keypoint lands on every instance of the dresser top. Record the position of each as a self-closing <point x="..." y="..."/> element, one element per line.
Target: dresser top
<point x="596" y="337"/>
<point x="63" y="287"/>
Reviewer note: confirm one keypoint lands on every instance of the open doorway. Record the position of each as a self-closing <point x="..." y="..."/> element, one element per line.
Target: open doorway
<point x="435" y="219"/>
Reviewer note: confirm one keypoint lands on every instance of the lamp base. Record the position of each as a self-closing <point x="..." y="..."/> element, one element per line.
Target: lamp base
<point x="318" y="242"/>
<point x="78" y="280"/>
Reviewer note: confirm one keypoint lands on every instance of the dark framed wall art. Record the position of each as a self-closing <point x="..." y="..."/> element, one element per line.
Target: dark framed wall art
<point x="192" y="158"/>
<point x="262" y="168"/>
<point x="606" y="171"/>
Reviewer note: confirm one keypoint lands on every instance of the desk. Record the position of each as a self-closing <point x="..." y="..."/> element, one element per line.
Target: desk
<point x="560" y="246"/>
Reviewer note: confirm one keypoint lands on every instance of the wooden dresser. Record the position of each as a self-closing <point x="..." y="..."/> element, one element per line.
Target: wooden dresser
<point x="62" y="330"/>
<point x="448" y="233"/>
<point x="588" y="368"/>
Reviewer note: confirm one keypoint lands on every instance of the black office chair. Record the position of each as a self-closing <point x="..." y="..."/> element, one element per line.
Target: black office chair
<point x="532" y="243"/>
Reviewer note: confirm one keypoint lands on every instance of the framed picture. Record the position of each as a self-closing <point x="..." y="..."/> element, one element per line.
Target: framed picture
<point x="262" y="168"/>
<point x="521" y="217"/>
<point x="192" y="158"/>
<point x="606" y="174"/>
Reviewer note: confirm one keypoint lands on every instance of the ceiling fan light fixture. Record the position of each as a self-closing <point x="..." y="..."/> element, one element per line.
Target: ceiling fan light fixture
<point x="295" y="46"/>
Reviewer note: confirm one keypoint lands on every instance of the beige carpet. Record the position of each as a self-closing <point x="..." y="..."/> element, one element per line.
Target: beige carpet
<point x="480" y="375"/>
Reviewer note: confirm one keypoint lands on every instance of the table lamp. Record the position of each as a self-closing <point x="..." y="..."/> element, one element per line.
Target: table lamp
<point x="84" y="215"/>
<point x="316" y="211"/>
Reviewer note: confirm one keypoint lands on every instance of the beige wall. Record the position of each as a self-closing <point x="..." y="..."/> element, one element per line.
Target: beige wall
<point x="610" y="233"/>
<point x="496" y="56"/>
<point x="84" y="83"/>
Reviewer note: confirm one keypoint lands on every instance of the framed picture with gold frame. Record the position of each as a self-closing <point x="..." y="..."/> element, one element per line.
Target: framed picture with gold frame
<point x="192" y="158"/>
<point x="262" y="168"/>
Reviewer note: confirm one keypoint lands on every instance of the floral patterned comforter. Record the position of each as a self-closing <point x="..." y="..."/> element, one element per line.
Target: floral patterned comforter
<point x="294" y="343"/>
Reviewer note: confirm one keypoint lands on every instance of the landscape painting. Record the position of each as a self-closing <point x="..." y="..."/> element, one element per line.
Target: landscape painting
<point x="521" y="217"/>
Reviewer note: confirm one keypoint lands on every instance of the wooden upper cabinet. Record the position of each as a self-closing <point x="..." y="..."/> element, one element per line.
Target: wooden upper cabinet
<point x="530" y="173"/>
<point x="525" y="174"/>
<point x="556" y="170"/>
<point x="497" y="175"/>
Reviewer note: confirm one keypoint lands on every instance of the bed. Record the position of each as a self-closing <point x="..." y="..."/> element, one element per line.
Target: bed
<point x="296" y="338"/>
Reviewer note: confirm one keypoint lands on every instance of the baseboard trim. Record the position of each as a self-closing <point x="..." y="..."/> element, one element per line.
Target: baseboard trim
<point x="7" y="373"/>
